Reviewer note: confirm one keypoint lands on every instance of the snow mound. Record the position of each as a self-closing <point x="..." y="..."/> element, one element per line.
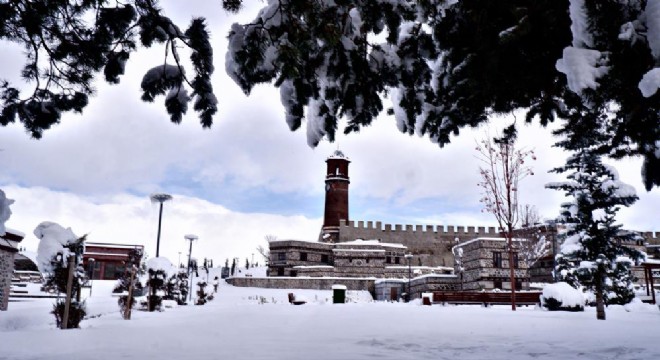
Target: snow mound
<point x="566" y="294"/>
<point x="161" y="263"/>
<point x="636" y="305"/>
<point x="5" y="213"/>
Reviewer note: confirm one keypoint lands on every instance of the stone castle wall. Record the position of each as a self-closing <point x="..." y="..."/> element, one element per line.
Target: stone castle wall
<point x="432" y="244"/>
<point x="6" y="270"/>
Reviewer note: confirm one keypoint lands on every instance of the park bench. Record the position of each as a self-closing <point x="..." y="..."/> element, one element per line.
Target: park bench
<point x="486" y="298"/>
<point x="292" y="300"/>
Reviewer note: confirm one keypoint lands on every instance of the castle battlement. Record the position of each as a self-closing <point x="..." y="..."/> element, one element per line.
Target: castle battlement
<point x="438" y="229"/>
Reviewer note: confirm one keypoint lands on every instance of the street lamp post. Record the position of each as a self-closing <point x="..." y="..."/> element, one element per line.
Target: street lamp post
<point x="408" y="257"/>
<point x="179" y="262"/>
<point x="190" y="238"/>
<point x="160" y="198"/>
<point x="91" y="278"/>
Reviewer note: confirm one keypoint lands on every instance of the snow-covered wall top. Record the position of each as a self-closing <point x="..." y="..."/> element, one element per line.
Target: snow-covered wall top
<point x="52" y="241"/>
<point x="5" y="213"/>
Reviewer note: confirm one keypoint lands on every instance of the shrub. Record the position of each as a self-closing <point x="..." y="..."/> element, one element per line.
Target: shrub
<point x="562" y="297"/>
<point x="77" y="312"/>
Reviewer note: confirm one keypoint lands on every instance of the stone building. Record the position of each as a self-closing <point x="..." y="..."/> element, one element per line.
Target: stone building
<point x="358" y="258"/>
<point x="8" y="249"/>
<point x="483" y="264"/>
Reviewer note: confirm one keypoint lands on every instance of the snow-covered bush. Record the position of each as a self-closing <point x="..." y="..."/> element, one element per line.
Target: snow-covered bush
<point x="5" y="213"/>
<point x="177" y="287"/>
<point x="56" y="246"/>
<point x="158" y="270"/>
<point x="202" y="295"/>
<point x="563" y="297"/>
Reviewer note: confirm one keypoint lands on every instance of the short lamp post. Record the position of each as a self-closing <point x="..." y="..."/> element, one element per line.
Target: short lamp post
<point x="409" y="257"/>
<point x="91" y="278"/>
<point x="190" y="238"/>
<point x="159" y="198"/>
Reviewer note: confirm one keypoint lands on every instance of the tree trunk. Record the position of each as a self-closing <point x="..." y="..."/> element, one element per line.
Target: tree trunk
<point x="600" y="302"/>
<point x="67" y="301"/>
<point x="511" y="266"/>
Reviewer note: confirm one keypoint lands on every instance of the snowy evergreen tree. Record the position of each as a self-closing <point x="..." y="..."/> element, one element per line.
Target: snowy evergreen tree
<point x="594" y="253"/>
<point x="158" y="270"/>
<point x="56" y="246"/>
<point x="123" y="283"/>
<point x="69" y="43"/>
<point x="176" y="287"/>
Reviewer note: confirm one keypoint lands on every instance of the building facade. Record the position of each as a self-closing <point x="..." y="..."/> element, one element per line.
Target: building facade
<point x="106" y="261"/>
<point x="351" y="259"/>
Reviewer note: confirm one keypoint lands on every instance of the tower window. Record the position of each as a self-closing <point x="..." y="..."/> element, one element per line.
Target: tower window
<point x="303" y="256"/>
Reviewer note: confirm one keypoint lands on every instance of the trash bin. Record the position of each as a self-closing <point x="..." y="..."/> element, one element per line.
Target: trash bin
<point x="427" y="298"/>
<point x="338" y="294"/>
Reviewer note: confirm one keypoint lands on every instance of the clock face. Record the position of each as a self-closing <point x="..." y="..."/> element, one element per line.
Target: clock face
<point x="327" y="187"/>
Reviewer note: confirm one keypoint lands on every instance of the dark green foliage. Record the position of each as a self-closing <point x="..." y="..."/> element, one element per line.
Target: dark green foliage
<point x="156" y="284"/>
<point x="134" y="259"/>
<point x="177" y="288"/>
<point x="77" y="40"/>
<point x="479" y="58"/>
<point x="154" y="302"/>
<point x="202" y="296"/>
<point x="553" y="304"/>
<point x="123" y="303"/>
<point x="77" y="311"/>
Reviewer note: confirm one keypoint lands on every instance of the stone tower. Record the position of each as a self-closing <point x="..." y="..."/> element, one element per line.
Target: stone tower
<point x="336" y="196"/>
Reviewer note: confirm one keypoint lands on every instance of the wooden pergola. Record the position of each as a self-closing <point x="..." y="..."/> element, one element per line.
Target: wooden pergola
<point x="648" y="278"/>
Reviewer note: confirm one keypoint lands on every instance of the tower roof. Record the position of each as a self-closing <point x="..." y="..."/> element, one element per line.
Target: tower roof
<point x="338" y="154"/>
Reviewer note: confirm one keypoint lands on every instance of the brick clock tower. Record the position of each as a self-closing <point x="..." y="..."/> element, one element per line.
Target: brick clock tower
<point x="336" y="196"/>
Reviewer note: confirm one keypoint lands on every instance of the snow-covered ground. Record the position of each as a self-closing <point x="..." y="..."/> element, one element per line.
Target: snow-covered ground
<point x="254" y="323"/>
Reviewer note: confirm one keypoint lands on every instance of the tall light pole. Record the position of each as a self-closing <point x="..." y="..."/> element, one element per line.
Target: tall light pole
<point x="160" y="198"/>
<point x="190" y="238"/>
<point x="408" y="257"/>
<point x="91" y="279"/>
<point x="179" y="263"/>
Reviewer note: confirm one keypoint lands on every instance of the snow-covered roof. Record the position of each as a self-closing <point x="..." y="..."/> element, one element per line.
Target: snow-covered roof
<point x="487" y="239"/>
<point x="361" y="242"/>
<point x="15" y="232"/>
<point x="339" y="287"/>
<point x="361" y="250"/>
<point x="338" y="154"/>
<point x="113" y="246"/>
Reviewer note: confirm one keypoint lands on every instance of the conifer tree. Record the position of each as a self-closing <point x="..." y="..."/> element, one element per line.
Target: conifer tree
<point x="594" y="254"/>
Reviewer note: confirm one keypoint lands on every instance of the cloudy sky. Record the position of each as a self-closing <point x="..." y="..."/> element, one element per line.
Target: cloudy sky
<point x="248" y="176"/>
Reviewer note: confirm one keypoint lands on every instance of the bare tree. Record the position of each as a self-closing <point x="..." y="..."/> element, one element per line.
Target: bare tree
<point x="503" y="168"/>
<point x="535" y="243"/>
<point x="265" y="252"/>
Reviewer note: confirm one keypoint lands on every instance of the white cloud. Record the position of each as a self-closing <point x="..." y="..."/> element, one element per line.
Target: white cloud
<point x="128" y="219"/>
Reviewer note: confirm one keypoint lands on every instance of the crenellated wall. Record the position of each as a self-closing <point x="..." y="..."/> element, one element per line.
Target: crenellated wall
<point x="430" y="243"/>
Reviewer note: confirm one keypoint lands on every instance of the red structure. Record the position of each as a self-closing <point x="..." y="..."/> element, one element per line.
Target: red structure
<point x="109" y="259"/>
<point x="336" y="196"/>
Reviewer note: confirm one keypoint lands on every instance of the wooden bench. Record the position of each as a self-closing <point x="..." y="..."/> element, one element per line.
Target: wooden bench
<point x="292" y="300"/>
<point x="486" y="298"/>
